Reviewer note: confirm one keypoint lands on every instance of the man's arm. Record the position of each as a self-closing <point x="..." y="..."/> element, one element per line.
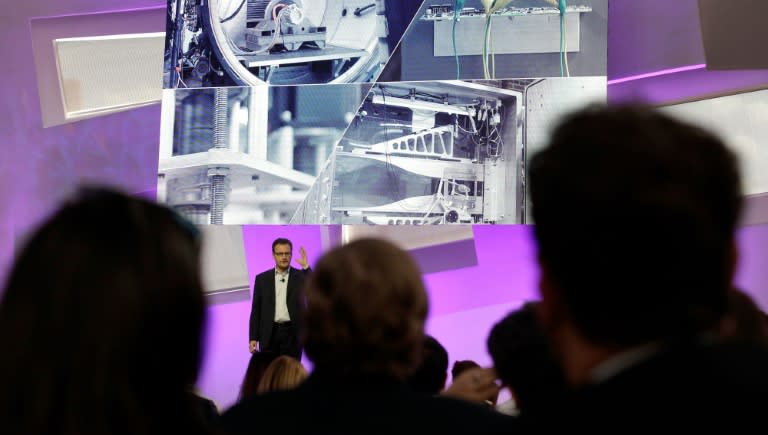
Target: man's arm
<point x="253" y="327"/>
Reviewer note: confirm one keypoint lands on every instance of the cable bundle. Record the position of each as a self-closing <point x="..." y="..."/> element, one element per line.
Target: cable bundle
<point x="491" y="7"/>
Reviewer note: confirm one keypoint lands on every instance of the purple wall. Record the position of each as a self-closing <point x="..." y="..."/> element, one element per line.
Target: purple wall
<point x="40" y="166"/>
<point x="505" y="258"/>
<point x="659" y="35"/>
<point x="651" y="35"/>
<point x="752" y="273"/>
<point x="681" y="86"/>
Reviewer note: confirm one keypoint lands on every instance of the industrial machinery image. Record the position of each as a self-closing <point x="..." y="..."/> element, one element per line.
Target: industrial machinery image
<point x="248" y="155"/>
<point x="280" y="42"/>
<point x="449" y="152"/>
<point x="489" y="39"/>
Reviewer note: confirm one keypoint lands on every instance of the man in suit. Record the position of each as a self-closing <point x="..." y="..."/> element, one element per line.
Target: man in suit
<point x="635" y="218"/>
<point x="277" y="303"/>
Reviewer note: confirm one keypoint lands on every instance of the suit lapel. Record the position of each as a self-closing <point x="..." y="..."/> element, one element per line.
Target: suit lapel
<point x="292" y="277"/>
<point x="271" y="292"/>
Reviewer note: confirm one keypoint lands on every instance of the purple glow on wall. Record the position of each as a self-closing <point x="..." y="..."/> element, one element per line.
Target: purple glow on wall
<point x="652" y="35"/>
<point x="162" y="8"/>
<point x="752" y="273"/>
<point x="505" y="272"/>
<point x="663" y="72"/>
<point x="686" y="85"/>
<point x="659" y="36"/>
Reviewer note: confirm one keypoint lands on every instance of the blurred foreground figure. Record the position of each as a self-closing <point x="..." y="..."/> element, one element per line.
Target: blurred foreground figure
<point x="100" y="323"/>
<point x="635" y="215"/>
<point x="522" y="357"/>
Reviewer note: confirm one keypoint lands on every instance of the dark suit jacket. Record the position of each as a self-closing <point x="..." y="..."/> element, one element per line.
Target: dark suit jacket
<point x="263" y="303"/>
<point x="326" y="404"/>
<point x="694" y="385"/>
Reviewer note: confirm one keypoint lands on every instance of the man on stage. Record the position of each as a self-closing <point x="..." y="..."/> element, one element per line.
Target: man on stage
<point x="277" y="301"/>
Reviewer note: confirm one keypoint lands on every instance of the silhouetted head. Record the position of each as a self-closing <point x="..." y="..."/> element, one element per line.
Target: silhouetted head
<point x="366" y="308"/>
<point x="432" y="371"/>
<point x="634" y="216"/>
<point x="284" y="373"/>
<point x="461" y="366"/>
<point x="524" y="361"/>
<point x="101" y="320"/>
<point x="257" y="365"/>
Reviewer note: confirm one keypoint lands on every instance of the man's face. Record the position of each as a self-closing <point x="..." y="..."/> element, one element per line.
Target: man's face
<point x="282" y="254"/>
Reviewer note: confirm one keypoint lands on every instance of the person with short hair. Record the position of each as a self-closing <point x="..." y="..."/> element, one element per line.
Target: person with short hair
<point x="101" y="322"/>
<point x="635" y="214"/>
<point x="365" y="314"/>
<point x="461" y="366"/>
<point x="432" y="371"/>
<point x="523" y="359"/>
<point x="276" y="305"/>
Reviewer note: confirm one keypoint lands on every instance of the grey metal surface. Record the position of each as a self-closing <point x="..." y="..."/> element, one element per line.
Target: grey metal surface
<point x="290" y="57"/>
<point x="366" y="181"/>
<point x="418" y="61"/>
<point x="545" y="103"/>
<point x="316" y="207"/>
<point x="509" y="35"/>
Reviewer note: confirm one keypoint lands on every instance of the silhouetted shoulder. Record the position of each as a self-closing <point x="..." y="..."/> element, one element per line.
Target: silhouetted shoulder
<point x="386" y="411"/>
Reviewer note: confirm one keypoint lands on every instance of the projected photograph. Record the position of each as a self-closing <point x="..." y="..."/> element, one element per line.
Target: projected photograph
<point x="280" y="42"/>
<point x="741" y="119"/>
<point x="450" y="152"/>
<point x="491" y="39"/>
<point x="249" y="155"/>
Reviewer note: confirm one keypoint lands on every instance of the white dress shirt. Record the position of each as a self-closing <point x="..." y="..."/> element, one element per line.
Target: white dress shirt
<point x="281" y="296"/>
<point x="618" y="363"/>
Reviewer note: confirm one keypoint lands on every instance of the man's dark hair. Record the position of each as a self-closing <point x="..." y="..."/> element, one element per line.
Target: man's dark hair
<point x="524" y="361"/>
<point x="461" y="366"/>
<point x="281" y="241"/>
<point x="101" y="322"/>
<point x="432" y="371"/>
<point x="634" y="217"/>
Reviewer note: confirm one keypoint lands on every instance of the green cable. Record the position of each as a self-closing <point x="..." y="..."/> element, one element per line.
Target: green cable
<point x="562" y="6"/>
<point x="456" y="12"/>
<point x="486" y="72"/>
<point x="562" y="44"/>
